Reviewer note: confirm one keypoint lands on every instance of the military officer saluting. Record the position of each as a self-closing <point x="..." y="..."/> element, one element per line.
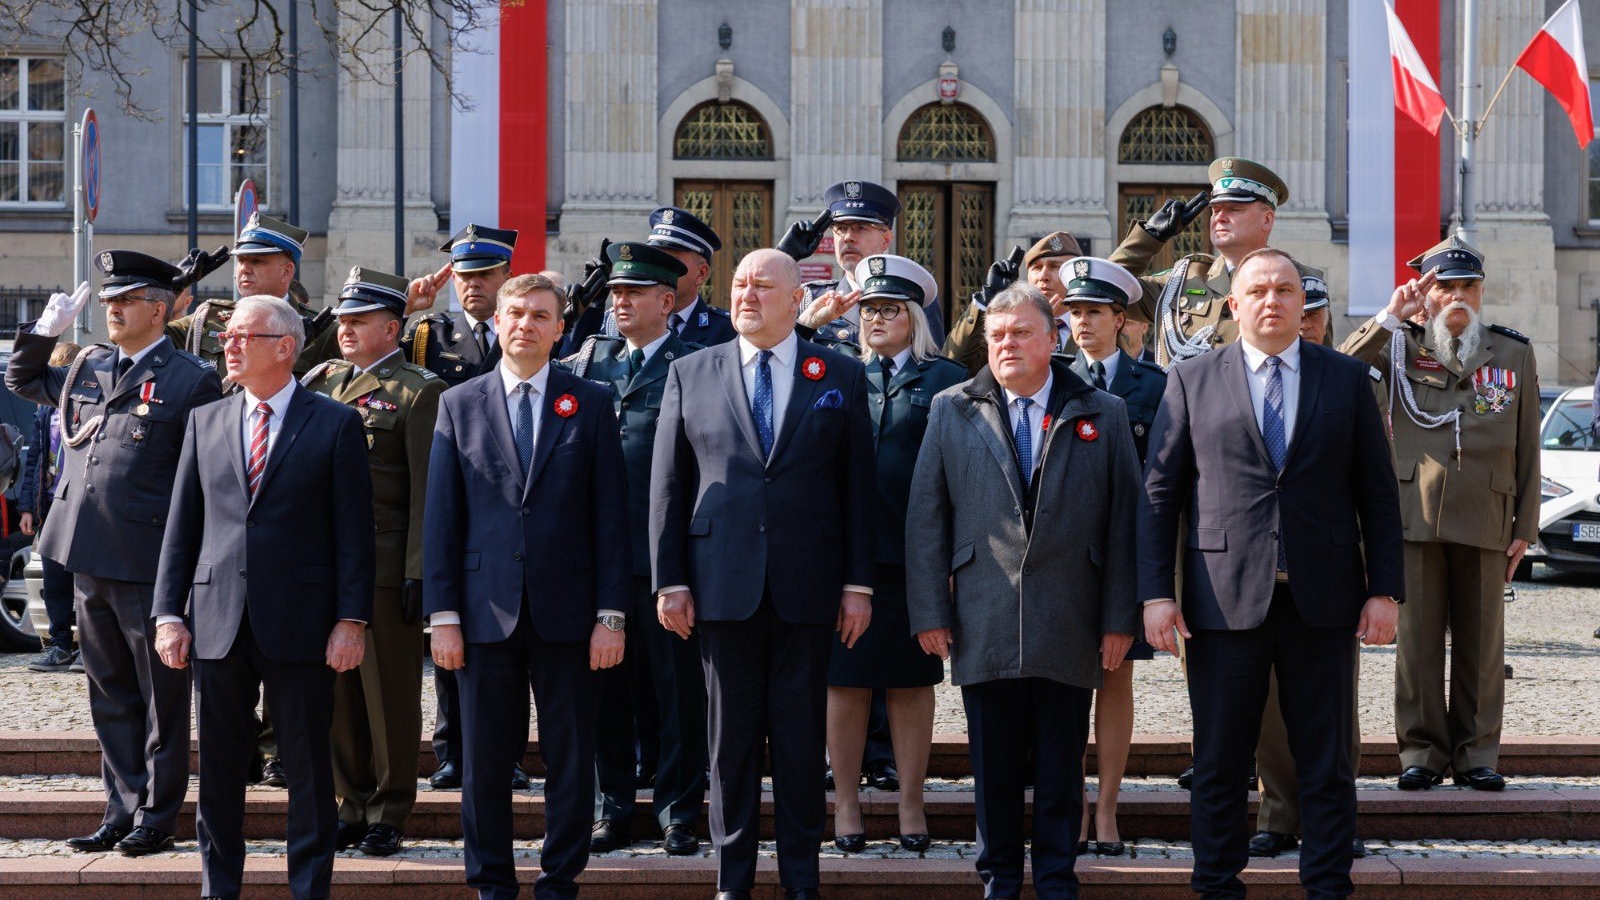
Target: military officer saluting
<point x="377" y="705"/>
<point x="1462" y="402"/>
<point x="691" y="242"/>
<point x="1188" y="305"/>
<point x="1041" y="266"/>
<point x="861" y="215"/>
<point x="643" y="281"/>
<point x="461" y="344"/>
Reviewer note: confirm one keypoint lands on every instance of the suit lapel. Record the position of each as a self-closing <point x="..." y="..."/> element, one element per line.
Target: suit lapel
<point x="904" y="376"/>
<point x="731" y="374"/>
<point x="988" y="416"/>
<point x="1219" y="279"/>
<point x="801" y="397"/>
<point x="655" y="368"/>
<point x="233" y="437"/>
<point x="364" y="383"/>
<point x="294" y="419"/>
<point x="1235" y="375"/>
<point x="877" y="398"/>
<point x="499" y="419"/>
<point x="1310" y="388"/>
<point x="144" y="371"/>
<point x="551" y="426"/>
<point x="1122" y="385"/>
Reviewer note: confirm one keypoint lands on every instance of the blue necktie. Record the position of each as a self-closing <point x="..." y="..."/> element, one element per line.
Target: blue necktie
<point x="1024" y="439"/>
<point x="524" y="427"/>
<point x="1272" y="431"/>
<point x="761" y="406"/>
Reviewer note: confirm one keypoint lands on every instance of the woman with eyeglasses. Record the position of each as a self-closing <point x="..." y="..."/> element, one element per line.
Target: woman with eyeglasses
<point x="904" y="372"/>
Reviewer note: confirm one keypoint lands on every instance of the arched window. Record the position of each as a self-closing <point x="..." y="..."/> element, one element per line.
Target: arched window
<point x="722" y="131"/>
<point x="942" y="132"/>
<point x="1166" y="136"/>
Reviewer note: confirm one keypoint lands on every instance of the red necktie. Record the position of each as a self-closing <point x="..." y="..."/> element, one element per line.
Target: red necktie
<point x="258" y="447"/>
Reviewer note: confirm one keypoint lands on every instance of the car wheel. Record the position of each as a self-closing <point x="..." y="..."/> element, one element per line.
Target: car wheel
<point x="16" y="630"/>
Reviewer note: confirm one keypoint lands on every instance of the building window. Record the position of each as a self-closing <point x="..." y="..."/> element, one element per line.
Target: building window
<point x="33" y="131"/>
<point x="1594" y="156"/>
<point x="942" y="132"/>
<point x="722" y="131"/>
<point x="1166" y="136"/>
<point x="234" y="140"/>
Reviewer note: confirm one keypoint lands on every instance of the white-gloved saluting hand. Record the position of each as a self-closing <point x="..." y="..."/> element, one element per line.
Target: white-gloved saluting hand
<point x="60" y="311"/>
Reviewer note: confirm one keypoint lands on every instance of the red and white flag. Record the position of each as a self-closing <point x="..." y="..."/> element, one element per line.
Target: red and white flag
<point x="1415" y="92"/>
<point x="1555" y="59"/>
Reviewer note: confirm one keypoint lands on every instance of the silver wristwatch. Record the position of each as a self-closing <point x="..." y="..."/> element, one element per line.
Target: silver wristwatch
<point x="612" y="622"/>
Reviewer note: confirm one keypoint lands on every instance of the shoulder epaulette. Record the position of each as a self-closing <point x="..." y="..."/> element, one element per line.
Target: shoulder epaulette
<point x="1147" y="364"/>
<point x="323" y="368"/>
<point x="1510" y="333"/>
<point x="937" y="361"/>
<point x="691" y="346"/>
<point x="425" y="373"/>
<point x="719" y="311"/>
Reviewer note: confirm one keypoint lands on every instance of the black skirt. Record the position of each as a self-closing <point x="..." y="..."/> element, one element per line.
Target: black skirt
<point x="887" y="654"/>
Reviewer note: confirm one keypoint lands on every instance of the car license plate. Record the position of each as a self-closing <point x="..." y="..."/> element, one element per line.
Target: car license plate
<point x="1588" y="532"/>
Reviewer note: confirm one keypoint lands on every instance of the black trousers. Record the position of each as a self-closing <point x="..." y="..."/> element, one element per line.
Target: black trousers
<point x="1008" y="721"/>
<point x="58" y="595"/>
<point x="766" y="686"/>
<point x="447" y="719"/>
<point x="494" y="687"/>
<point x="301" y="694"/>
<point x="653" y="710"/>
<point x="139" y="706"/>
<point x="1227" y="690"/>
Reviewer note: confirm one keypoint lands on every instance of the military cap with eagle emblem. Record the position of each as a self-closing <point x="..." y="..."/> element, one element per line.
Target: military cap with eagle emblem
<point x="884" y="276"/>
<point x="127" y="270"/>
<point x="1235" y="180"/>
<point x="263" y="235"/>
<point x="1090" y="279"/>
<point x="1455" y="259"/>
<point x="639" y="264"/>
<point x="862" y="201"/>
<point x="368" y="290"/>
<point x="679" y="229"/>
<point x="1316" y="291"/>
<point x="1057" y="243"/>
<point x="479" y="247"/>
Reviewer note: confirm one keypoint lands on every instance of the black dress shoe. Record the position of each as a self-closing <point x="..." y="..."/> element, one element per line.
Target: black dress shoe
<point x="1358" y="849"/>
<point x="850" y="843"/>
<point x="381" y="840"/>
<point x="272" y="774"/>
<point x="827" y="779"/>
<point x="882" y="776"/>
<point x="1268" y="844"/>
<point x="915" y="843"/>
<point x="1482" y="778"/>
<point x="105" y="838"/>
<point x="1186" y="778"/>
<point x="1417" y="778"/>
<point x="801" y="893"/>
<point x="1110" y="848"/>
<point x="144" y="840"/>
<point x="1082" y="848"/>
<point x="348" y="835"/>
<point x="680" y="840"/>
<point x="447" y="776"/>
<point x="608" y="836"/>
<point x="519" y="779"/>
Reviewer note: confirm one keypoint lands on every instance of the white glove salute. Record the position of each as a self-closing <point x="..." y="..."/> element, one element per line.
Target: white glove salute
<point x="60" y="311"/>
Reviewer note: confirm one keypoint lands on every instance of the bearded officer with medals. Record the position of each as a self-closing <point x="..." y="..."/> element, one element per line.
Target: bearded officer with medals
<point x="1462" y="402"/>
<point x="660" y="685"/>
<point x="461" y="344"/>
<point x="123" y="410"/>
<point x="377" y="711"/>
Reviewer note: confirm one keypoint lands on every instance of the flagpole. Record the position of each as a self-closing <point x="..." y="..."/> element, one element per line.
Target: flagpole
<point x="1482" y="120"/>
<point x="1466" y="218"/>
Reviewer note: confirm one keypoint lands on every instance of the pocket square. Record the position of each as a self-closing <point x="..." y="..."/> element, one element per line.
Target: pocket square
<point x="830" y="400"/>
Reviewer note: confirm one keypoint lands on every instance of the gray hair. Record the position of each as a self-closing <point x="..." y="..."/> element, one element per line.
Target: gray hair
<point x="281" y="317"/>
<point x="1023" y="295"/>
<point x="922" y="346"/>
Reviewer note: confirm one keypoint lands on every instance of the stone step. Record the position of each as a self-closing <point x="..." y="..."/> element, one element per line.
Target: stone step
<point x="1557" y="812"/>
<point x="47" y="874"/>
<point x="78" y="753"/>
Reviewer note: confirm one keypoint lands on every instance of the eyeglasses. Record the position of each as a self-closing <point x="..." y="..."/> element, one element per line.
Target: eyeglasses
<point x="243" y="338"/>
<point x="887" y="313"/>
<point x="124" y="300"/>
<point x="845" y="229"/>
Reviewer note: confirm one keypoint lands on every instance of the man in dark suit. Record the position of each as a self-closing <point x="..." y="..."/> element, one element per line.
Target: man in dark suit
<point x="266" y="583"/>
<point x="123" y="408"/>
<point x="763" y="456"/>
<point x="525" y="582"/>
<point x="1273" y="451"/>
<point x="657" y="697"/>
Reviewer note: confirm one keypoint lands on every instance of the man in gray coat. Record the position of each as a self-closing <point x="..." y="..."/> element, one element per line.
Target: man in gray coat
<point x="1020" y="568"/>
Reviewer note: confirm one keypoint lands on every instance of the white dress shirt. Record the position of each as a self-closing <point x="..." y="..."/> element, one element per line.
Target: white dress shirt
<point x="1036" y="414"/>
<point x="280" y="405"/>
<point x="687" y="314"/>
<point x="136" y="357"/>
<point x="472" y="326"/>
<point x="1111" y="364"/>
<point x="650" y="348"/>
<point x="357" y="370"/>
<point x="782" y="365"/>
<point x="1256" y="374"/>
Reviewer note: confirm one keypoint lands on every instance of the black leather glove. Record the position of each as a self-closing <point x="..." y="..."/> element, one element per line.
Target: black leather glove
<point x="803" y="237"/>
<point x="582" y="295"/>
<point x="1175" y="215"/>
<point x="197" y="265"/>
<point x="1002" y="274"/>
<point x="411" y="600"/>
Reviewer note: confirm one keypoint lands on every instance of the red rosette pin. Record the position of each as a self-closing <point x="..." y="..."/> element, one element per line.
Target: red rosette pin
<point x="1045" y="425"/>
<point x="1086" y="431"/>
<point x="566" y="406"/>
<point x="813" y="368"/>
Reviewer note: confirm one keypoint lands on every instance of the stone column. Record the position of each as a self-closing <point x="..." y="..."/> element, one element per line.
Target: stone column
<point x="1281" y="110"/>
<point x="836" y="75"/>
<point x="1060" y="166"/>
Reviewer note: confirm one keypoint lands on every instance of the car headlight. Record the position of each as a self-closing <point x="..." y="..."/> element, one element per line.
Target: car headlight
<point x="1550" y="490"/>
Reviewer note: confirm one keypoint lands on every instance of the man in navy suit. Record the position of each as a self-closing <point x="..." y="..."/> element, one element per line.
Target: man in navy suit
<point x="1273" y="449"/>
<point x="760" y="534"/>
<point x="525" y="577"/>
<point x="266" y="582"/>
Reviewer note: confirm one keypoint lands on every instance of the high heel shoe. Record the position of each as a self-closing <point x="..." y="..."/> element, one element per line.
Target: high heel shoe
<point x="1083" y="848"/>
<point x="850" y="843"/>
<point x="1110" y="848"/>
<point x="915" y="843"/>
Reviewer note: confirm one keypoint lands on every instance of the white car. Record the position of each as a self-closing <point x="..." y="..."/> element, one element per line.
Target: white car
<point x="1569" y="508"/>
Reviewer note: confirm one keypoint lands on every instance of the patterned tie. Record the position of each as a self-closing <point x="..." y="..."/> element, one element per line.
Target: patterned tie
<point x="1097" y="373"/>
<point x="676" y="321"/>
<point x="1273" y="432"/>
<point x="258" y="448"/>
<point x="524" y="427"/>
<point x="482" y="331"/>
<point x="761" y="406"/>
<point x="1024" y="439"/>
<point x="635" y="362"/>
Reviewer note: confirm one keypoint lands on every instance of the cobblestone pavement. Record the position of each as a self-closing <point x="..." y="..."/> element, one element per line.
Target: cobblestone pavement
<point x="1549" y="644"/>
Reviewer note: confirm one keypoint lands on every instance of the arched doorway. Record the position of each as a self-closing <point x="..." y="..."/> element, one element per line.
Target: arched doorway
<point x="1171" y="137"/>
<point x="947" y="226"/>
<point x="740" y="211"/>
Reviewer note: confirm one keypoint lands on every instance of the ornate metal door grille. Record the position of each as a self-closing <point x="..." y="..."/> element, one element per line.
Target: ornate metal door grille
<point x="1138" y="201"/>
<point x="722" y="131"/>
<point x="940" y="133"/>
<point x="948" y="227"/>
<point x="1163" y="136"/>
<point x="741" y="214"/>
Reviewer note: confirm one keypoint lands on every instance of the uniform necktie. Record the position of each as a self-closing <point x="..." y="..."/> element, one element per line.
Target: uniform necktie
<point x="258" y="448"/>
<point x="676" y="320"/>
<point x="524" y="429"/>
<point x="1097" y="373"/>
<point x="482" y="331"/>
<point x="124" y="365"/>
<point x="635" y="362"/>
<point x="1273" y="432"/>
<point x="1063" y="332"/>
<point x="1024" y="440"/>
<point x="885" y="375"/>
<point x="761" y="406"/>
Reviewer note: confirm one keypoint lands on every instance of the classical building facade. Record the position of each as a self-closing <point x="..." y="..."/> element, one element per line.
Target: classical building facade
<point x="996" y="122"/>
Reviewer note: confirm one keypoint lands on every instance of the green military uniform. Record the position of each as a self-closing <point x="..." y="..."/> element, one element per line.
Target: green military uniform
<point x="377" y="706"/>
<point x="1463" y="500"/>
<point x="966" y="343"/>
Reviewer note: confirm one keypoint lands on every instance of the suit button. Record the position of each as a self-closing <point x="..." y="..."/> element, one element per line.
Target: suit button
<point x="1016" y="510"/>
<point x="94" y="460"/>
<point x="517" y="556"/>
<point x="526" y="510"/>
<point x="766" y="481"/>
<point x="241" y="573"/>
<point x="1278" y="488"/>
<point x="762" y="529"/>
<point x="624" y="404"/>
<point x="90" y="488"/>
<point x="250" y="524"/>
<point x="1273" y="535"/>
<point x="1027" y="570"/>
